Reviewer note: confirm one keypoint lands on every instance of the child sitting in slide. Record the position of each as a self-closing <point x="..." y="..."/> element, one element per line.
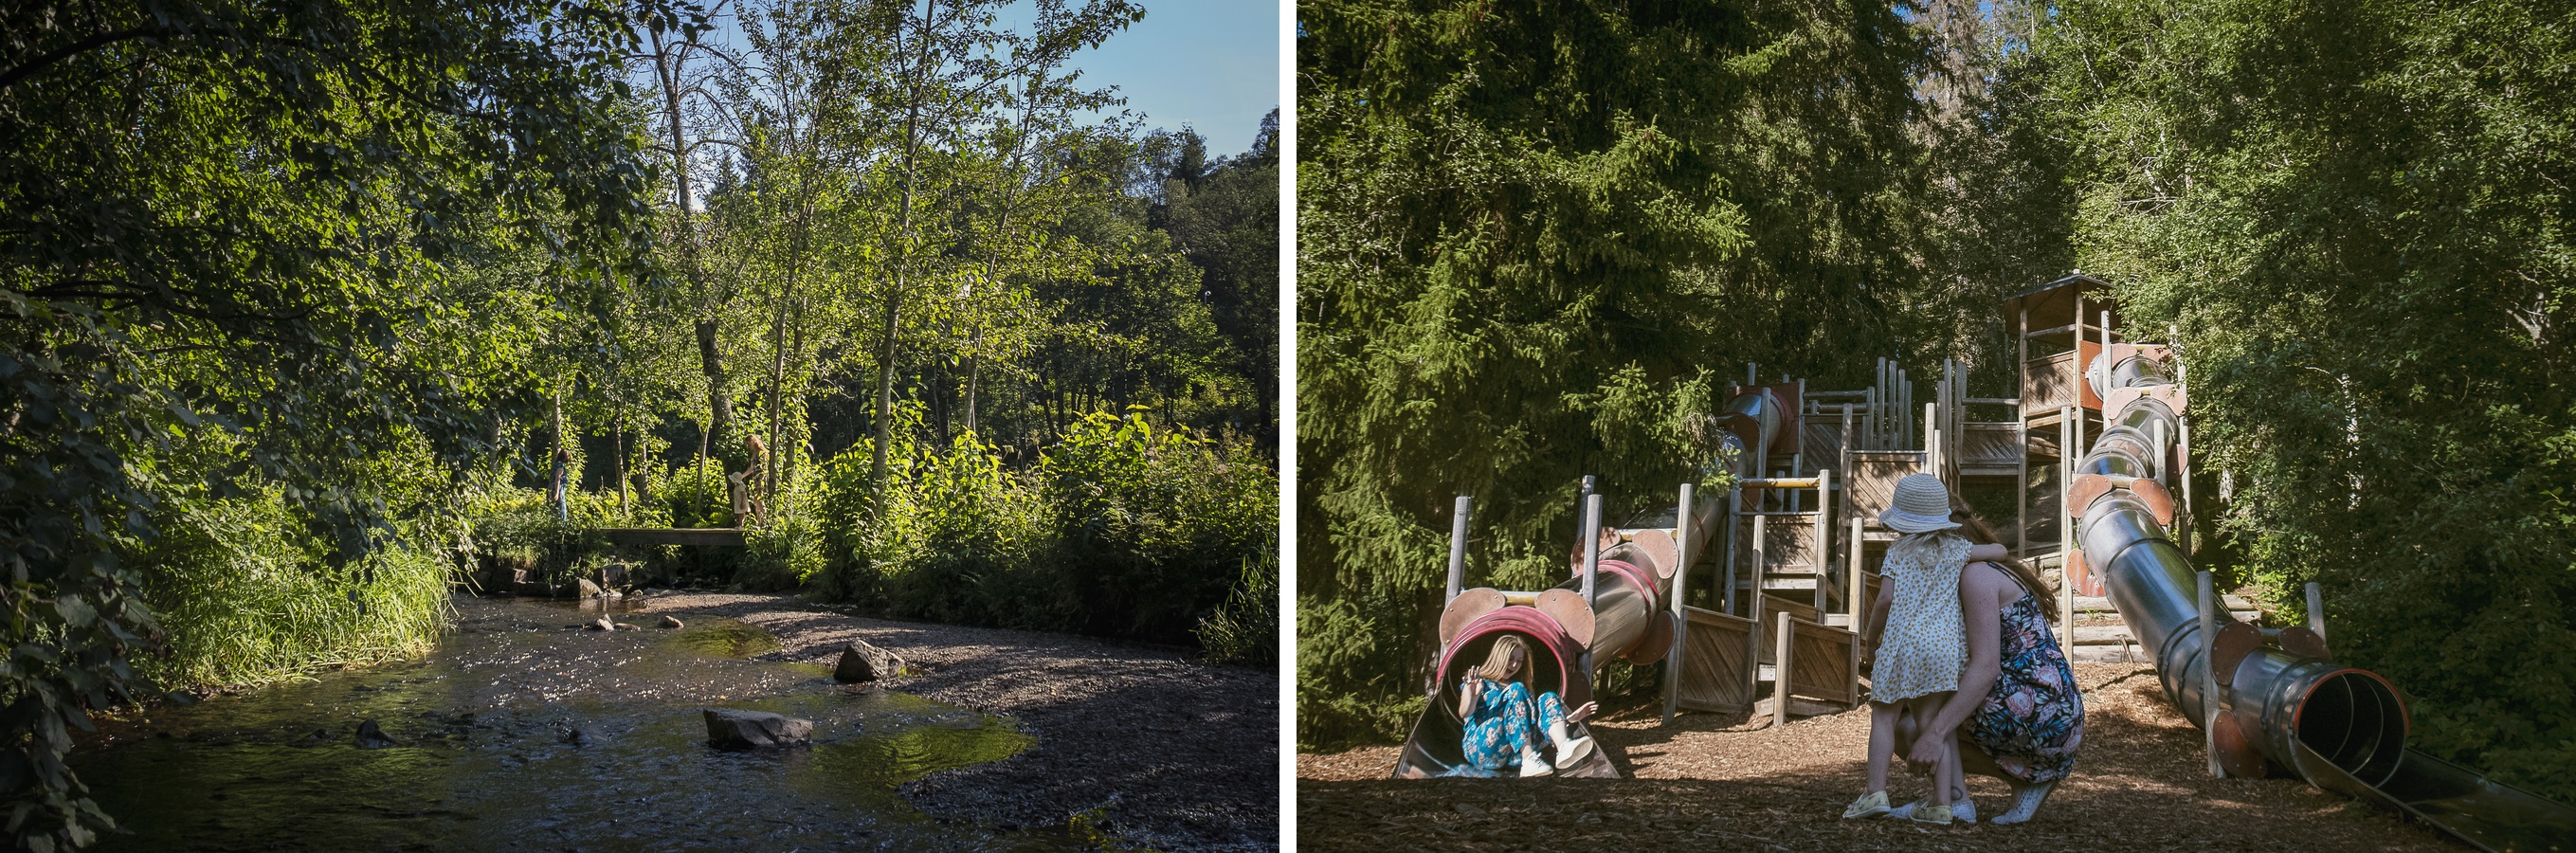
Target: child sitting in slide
<point x="1501" y="717"/>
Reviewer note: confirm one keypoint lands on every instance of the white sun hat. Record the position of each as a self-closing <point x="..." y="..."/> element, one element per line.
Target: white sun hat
<point x="1921" y="505"/>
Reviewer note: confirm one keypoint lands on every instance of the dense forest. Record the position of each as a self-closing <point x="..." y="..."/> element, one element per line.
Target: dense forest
<point x="1536" y="237"/>
<point x="310" y="310"/>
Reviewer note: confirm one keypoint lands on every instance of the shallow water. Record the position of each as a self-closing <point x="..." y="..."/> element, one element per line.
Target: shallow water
<point x="486" y="755"/>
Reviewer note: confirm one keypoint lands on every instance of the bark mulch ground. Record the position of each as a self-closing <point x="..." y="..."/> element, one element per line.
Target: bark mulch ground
<point x="1161" y="751"/>
<point x="1709" y="782"/>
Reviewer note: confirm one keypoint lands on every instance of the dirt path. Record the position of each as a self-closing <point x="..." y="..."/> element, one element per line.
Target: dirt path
<point x="1716" y="783"/>
<point x="1167" y="753"/>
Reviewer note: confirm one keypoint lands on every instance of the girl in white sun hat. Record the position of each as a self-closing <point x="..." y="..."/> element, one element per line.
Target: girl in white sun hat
<point x="1923" y="647"/>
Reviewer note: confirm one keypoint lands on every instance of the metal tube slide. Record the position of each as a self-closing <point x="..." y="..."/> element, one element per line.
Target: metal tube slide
<point x="2281" y="702"/>
<point x="2275" y="700"/>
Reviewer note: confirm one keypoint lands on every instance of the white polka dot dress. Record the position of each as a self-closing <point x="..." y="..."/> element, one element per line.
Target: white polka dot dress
<point x="1925" y="646"/>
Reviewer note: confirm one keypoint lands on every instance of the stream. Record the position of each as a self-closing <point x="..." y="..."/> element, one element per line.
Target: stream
<point x="522" y="731"/>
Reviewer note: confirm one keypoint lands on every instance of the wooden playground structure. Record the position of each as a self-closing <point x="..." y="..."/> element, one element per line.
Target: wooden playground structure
<point x="1754" y="598"/>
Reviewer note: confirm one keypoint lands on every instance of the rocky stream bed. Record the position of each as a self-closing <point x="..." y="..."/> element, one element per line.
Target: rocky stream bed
<point x="526" y="731"/>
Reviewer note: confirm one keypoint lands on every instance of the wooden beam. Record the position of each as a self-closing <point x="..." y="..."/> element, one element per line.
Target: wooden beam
<point x="719" y="537"/>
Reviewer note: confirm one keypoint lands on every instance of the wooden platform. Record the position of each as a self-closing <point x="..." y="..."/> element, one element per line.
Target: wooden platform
<point x="718" y="537"/>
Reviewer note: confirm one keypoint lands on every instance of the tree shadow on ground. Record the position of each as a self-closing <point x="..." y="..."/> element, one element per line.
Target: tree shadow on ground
<point x="1728" y="783"/>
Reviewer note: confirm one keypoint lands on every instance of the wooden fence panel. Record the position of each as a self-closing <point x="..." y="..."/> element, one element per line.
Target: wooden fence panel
<point x="1715" y="675"/>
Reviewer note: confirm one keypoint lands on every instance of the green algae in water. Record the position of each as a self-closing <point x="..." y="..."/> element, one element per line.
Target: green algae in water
<point x="729" y="638"/>
<point x="939" y="737"/>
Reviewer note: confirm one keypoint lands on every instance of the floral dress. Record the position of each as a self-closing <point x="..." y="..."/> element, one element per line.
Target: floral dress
<point x="1925" y="647"/>
<point x="2033" y="719"/>
<point x="1499" y="727"/>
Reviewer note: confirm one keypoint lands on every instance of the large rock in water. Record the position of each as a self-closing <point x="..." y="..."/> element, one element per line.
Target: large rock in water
<point x="728" y="728"/>
<point x="863" y="662"/>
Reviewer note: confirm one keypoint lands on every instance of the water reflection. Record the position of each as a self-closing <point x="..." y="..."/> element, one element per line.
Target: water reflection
<point x="520" y="733"/>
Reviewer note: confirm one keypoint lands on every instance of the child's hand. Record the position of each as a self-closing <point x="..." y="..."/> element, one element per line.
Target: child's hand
<point x="1583" y="713"/>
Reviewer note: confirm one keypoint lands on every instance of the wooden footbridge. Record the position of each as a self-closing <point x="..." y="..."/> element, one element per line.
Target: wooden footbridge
<point x="717" y="537"/>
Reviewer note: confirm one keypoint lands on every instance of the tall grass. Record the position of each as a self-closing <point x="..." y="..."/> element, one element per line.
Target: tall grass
<point x="247" y="597"/>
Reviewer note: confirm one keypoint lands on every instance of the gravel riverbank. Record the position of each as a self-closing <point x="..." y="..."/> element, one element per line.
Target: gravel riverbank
<point x="1162" y="751"/>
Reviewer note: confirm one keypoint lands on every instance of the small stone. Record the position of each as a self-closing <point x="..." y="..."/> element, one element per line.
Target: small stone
<point x="372" y="737"/>
<point x="582" y="736"/>
<point x="623" y="626"/>
<point x="603" y="625"/>
<point x="729" y="728"/>
<point x="861" y="662"/>
<point x="671" y="622"/>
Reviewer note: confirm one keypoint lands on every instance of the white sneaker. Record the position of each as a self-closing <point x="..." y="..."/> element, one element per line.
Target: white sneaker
<point x="1534" y="765"/>
<point x="1964" y="811"/>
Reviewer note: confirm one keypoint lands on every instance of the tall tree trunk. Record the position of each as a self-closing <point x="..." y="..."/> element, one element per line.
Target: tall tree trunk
<point x="701" y="485"/>
<point x="710" y="358"/>
<point x="974" y="374"/>
<point x="560" y="490"/>
<point x="778" y="352"/>
<point x="903" y="250"/>
<point x="617" y="435"/>
<point x="934" y="385"/>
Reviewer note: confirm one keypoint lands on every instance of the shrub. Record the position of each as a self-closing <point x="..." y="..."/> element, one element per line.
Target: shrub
<point x="1119" y="530"/>
<point x="247" y="596"/>
<point x="1246" y="628"/>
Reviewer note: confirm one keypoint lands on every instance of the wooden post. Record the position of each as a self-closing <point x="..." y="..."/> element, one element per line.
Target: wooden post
<point x="2106" y="367"/>
<point x="1780" y="673"/>
<point x="1681" y="582"/>
<point x="1859" y="608"/>
<point x="2157" y="469"/>
<point x="1458" y="547"/>
<point x="1591" y="543"/>
<point x="1824" y="534"/>
<point x="2209" y="676"/>
<point x="2066" y="540"/>
<point x="2182" y="459"/>
<point x="2317" y="611"/>
<point x="2021" y="486"/>
<point x="1904" y="410"/>
<point x="1761" y="562"/>
<point x="1842" y="460"/>
<point x="1734" y="514"/>
<point x="1753" y="614"/>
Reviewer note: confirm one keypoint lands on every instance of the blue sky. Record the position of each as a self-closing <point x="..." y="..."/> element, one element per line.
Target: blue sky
<point x="1210" y="64"/>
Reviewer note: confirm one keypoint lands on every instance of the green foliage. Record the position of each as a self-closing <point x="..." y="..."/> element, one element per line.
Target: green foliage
<point x="692" y="495"/>
<point x="1122" y="530"/>
<point x="1246" y="628"/>
<point x="251" y="219"/>
<point x="1533" y="240"/>
<point x="249" y="597"/>
<point x="1346" y="691"/>
<point x="2357" y="214"/>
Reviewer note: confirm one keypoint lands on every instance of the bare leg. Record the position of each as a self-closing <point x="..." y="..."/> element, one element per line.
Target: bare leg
<point x="1882" y="744"/>
<point x="1928" y="707"/>
<point x="1954" y="780"/>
